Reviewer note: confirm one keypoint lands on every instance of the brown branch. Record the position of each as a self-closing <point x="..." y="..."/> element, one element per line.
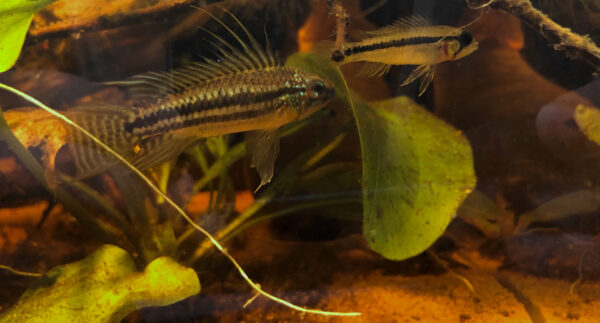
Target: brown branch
<point x="561" y="38"/>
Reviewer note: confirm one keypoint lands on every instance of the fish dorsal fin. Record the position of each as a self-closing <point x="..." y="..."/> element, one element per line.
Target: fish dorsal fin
<point x="152" y="86"/>
<point x="401" y="25"/>
<point x="264" y="147"/>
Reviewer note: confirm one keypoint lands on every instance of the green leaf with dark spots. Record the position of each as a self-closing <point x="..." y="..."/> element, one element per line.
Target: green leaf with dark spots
<point x="104" y="287"/>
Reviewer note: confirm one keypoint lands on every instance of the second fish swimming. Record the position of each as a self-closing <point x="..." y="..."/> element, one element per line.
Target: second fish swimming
<point x="408" y="41"/>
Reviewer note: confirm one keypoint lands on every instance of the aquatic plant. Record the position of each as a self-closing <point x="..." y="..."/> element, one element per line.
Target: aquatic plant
<point x="416" y="168"/>
<point x="15" y="17"/>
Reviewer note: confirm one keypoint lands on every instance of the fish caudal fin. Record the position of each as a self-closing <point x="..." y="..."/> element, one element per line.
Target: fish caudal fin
<point x="264" y="147"/>
<point x="105" y="122"/>
<point x="425" y="72"/>
<point x="328" y="50"/>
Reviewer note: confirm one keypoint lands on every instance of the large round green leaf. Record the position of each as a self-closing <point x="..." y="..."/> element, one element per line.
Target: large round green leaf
<point x="417" y="169"/>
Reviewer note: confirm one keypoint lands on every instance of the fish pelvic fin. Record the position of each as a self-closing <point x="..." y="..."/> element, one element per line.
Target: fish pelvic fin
<point x="264" y="147"/>
<point x="249" y="55"/>
<point x="425" y="72"/>
<point x="374" y="69"/>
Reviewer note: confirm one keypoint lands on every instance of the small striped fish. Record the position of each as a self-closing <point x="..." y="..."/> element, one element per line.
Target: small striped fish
<point x="408" y="41"/>
<point x="246" y="90"/>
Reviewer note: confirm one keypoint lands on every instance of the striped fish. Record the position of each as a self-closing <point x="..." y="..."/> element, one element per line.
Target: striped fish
<point x="408" y="41"/>
<point x="246" y="90"/>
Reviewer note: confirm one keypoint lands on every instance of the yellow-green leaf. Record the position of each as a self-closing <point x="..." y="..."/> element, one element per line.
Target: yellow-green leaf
<point x="416" y="168"/>
<point x="15" y="18"/>
<point x="104" y="287"/>
<point x="588" y="120"/>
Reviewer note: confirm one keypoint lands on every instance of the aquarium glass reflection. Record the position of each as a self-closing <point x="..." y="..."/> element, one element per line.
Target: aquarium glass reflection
<point x="299" y="160"/>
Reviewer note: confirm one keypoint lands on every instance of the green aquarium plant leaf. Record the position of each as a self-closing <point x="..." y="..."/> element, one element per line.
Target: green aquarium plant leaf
<point x="104" y="287"/>
<point x="416" y="168"/>
<point x="15" y="18"/>
<point x="588" y="120"/>
<point x="481" y="212"/>
<point x="417" y="171"/>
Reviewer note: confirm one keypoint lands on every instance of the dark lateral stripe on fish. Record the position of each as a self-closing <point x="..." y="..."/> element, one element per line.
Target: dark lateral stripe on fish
<point x="244" y="98"/>
<point x="242" y="115"/>
<point x="395" y="43"/>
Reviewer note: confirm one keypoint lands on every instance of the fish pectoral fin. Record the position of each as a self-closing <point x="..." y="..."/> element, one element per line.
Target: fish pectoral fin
<point x="264" y="147"/>
<point x="425" y="72"/>
<point x="374" y="69"/>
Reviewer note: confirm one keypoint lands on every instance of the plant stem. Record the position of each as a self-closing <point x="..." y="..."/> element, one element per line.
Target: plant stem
<point x="255" y="207"/>
<point x="285" y="212"/>
<point x="236" y="152"/>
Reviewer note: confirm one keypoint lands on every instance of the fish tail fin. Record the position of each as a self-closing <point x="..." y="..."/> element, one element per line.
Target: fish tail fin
<point x="328" y="49"/>
<point x="107" y="123"/>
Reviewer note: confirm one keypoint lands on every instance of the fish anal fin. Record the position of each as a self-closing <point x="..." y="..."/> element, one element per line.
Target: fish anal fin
<point x="264" y="147"/>
<point x="425" y="73"/>
<point x="401" y="25"/>
<point x="374" y="69"/>
<point x="155" y="150"/>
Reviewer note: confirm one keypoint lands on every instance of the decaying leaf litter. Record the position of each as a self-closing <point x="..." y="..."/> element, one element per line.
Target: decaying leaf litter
<point x="268" y="231"/>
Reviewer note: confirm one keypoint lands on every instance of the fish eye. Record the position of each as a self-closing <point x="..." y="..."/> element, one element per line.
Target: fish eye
<point x="317" y="87"/>
<point x="465" y="39"/>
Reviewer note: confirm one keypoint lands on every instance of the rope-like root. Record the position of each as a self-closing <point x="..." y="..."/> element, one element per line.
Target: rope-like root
<point x="161" y="194"/>
<point x="19" y="272"/>
<point x="561" y="38"/>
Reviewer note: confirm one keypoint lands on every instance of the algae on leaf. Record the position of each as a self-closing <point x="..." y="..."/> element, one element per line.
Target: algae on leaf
<point x="104" y="287"/>
<point x="588" y="120"/>
<point x="15" y="17"/>
<point x="416" y="168"/>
